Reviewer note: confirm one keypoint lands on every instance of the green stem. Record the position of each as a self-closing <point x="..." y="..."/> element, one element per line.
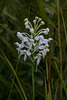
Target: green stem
<point x="15" y="75"/>
<point x="60" y="49"/>
<point x="12" y="81"/>
<point x="63" y="23"/>
<point x="17" y="89"/>
<point x="33" y="82"/>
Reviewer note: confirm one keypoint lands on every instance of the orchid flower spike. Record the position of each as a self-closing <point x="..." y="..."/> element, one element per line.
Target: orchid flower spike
<point x="33" y="45"/>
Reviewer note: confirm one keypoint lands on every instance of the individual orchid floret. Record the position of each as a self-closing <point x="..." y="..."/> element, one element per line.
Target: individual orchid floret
<point x="30" y="43"/>
<point x="31" y="30"/>
<point x="50" y="39"/>
<point x="47" y="45"/>
<point x="39" y="38"/>
<point x="25" y="53"/>
<point x="19" y="35"/>
<point x="26" y="23"/>
<point x="38" y="57"/>
<point x="44" y="52"/>
<point x="47" y="29"/>
<point x="41" y="47"/>
<point x="27" y="26"/>
<point x="17" y="44"/>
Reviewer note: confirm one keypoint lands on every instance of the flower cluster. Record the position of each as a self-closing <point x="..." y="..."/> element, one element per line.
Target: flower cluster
<point x="33" y="45"/>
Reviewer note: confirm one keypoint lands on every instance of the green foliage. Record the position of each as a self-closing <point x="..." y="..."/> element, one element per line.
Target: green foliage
<point x="12" y="14"/>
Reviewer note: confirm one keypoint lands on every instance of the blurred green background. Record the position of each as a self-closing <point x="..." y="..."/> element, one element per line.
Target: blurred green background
<point x="12" y="15"/>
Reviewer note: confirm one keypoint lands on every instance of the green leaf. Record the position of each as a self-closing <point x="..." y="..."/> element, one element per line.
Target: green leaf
<point x="10" y="16"/>
<point x="15" y="75"/>
<point x="50" y="7"/>
<point x="55" y="97"/>
<point x="64" y="5"/>
<point x="18" y="89"/>
<point x="42" y="13"/>
<point x="63" y="23"/>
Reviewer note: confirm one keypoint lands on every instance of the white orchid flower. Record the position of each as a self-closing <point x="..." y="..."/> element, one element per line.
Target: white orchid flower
<point x="50" y="39"/>
<point x="30" y="43"/>
<point x="41" y="47"/>
<point x="25" y="53"/>
<point x="33" y="45"/>
<point x="31" y="30"/>
<point x="18" y="49"/>
<point x="39" y="38"/>
<point x="27" y="26"/>
<point x="38" y="57"/>
<point x="44" y="52"/>
<point x="19" y="35"/>
<point x="19" y="46"/>
<point x="45" y="41"/>
<point x="46" y="45"/>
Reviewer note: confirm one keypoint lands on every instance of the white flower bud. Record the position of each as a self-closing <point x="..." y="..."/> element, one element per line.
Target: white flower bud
<point x="36" y="17"/>
<point x="26" y="19"/>
<point x="34" y="21"/>
<point x="42" y="22"/>
<point x="40" y="19"/>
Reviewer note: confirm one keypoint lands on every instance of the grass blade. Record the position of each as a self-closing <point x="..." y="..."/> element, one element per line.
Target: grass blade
<point x="17" y="89"/>
<point x="56" y="88"/>
<point x="63" y="23"/>
<point x="15" y="74"/>
<point x="64" y="86"/>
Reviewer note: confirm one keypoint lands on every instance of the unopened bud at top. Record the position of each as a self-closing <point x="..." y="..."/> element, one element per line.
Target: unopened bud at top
<point x="36" y="17"/>
<point x="40" y="19"/>
<point x="26" y="19"/>
<point x="34" y="21"/>
<point x="42" y="22"/>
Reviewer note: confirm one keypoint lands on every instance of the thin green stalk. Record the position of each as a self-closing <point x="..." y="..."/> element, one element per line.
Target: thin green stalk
<point x="64" y="86"/>
<point x="49" y="73"/>
<point x="12" y="81"/>
<point x="45" y="87"/>
<point x="57" y="88"/>
<point x="63" y="23"/>
<point x="17" y="89"/>
<point x="15" y="75"/>
<point x="33" y="82"/>
<point x="60" y="50"/>
<point x="46" y="95"/>
<point x="48" y="77"/>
